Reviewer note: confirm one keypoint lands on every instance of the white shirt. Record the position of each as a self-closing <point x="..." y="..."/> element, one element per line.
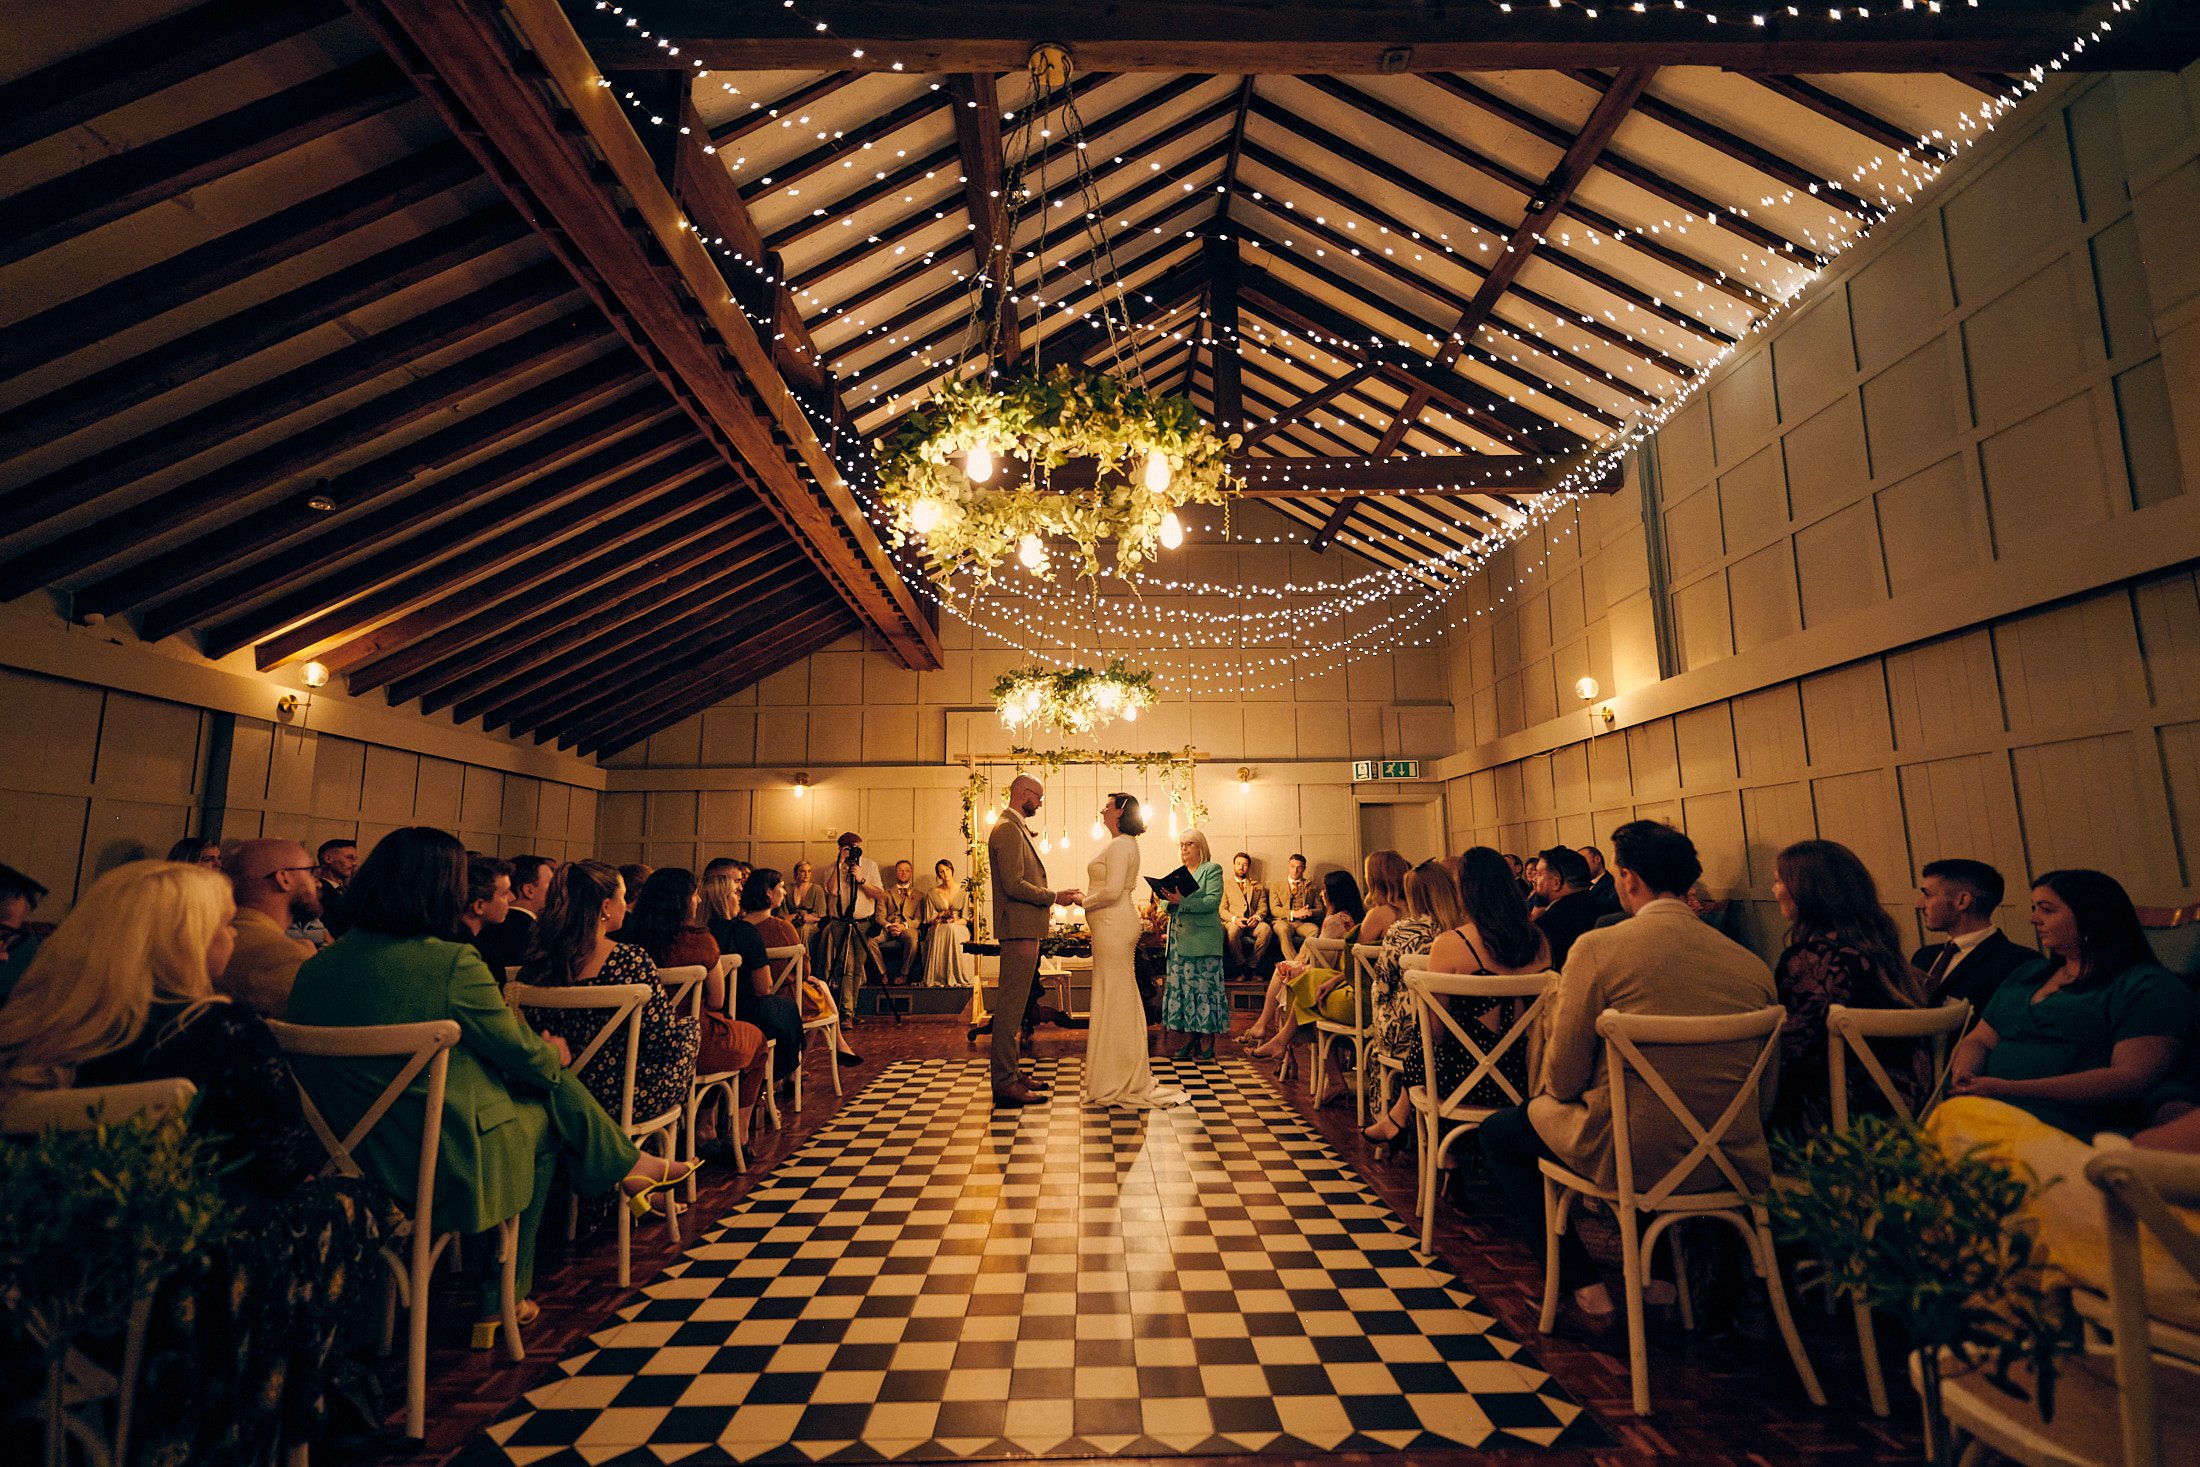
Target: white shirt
<point x="866" y="875"/>
<point x="1963" y="945"/>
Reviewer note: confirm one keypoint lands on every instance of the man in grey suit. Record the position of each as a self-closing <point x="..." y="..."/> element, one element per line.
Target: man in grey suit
<point x="1022" y="905"/>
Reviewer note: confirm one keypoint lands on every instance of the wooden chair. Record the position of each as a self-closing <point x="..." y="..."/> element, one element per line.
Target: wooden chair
<point x="2123" y="1402"/>
<point x="1444" y="1119"/>
<point x="419" y="1047"/>
<point x="77" y="1386"/>
<point x="724" y="1082"/>
<point x="1353" y="962"/>
<point x="1625" y="1036"/>
<point x="621" y="1004"/>
<point x="1322" y="952"/>
<point x="796" y="958"/>
<point x="1854" y="1029"/>
<point x="2174" y="933"/>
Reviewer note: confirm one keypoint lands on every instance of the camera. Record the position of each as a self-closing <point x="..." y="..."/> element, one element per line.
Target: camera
<point x="853" y="855"/>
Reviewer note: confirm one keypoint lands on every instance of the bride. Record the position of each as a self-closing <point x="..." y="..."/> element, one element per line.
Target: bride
<point x="1117" y="1072"/>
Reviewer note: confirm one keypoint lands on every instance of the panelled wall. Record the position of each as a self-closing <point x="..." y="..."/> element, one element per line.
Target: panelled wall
<point x="1928" y="547"/>
<point x="876" y="739"/>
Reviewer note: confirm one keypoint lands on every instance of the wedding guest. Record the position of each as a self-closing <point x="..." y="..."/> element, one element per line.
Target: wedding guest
<point x="1492" y="936"/>
<point x="1520" y="877"/>
<point x="505" y="945"/>
<point x="2081" y="1037"/>
<point x="272" y="883"/>
<point x="1432" y="906"/>
<point x="488" y="897"/>
<point x="756" y="996"/>
<point x="804" y="906"/>
<point x="1568" y="908"/>
<point x="1299" y="992"/>
<point x="513" y="1119"/>
<point x="634" y="875"/>
<point x="19" y="897"/>
<point x="1248" y="927"/>
<point x="900" y="924"/>
<point x="1302" y="908"/>
<point x="574" y="949"/>
<point x="945" y="931"/>
<point x="721" y="898"/>
<point x="667" y="921"/>
<point x="1600" y="880"/>
<point x="1534" y="869"/>
<point x="813" y="997"/>
<point x="1663" y="960"/>
<point x="1956" y="898"/>
<point x="1386" y="894"/>
<point x="1195" y="1002"/>
<point x="1842" y="948"/>
<point x="338" y="860"/>
<point x="197" y="850"/>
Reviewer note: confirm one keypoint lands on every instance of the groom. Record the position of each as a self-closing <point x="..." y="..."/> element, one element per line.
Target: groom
<point x="1022" y="907"/>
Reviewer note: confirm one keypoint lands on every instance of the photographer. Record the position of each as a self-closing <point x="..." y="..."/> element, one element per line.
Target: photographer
<point x="848" y="939"/>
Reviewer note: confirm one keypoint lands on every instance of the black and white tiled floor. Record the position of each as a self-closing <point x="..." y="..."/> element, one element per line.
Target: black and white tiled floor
<point x="931" y="1280"/>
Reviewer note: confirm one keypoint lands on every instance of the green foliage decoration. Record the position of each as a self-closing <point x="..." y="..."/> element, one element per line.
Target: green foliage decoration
<point x="1074" y="700"/>
<point x="1909" y="1231"/>
<point x="1045" y="422"/>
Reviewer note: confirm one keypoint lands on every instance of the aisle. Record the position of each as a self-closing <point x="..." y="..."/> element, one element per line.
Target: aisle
<point x="929" y="1279"/>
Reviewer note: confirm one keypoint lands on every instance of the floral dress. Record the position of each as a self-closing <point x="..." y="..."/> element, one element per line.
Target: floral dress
<point x="1812" y="976"/>
<point x="663" y="1071"/>
<point x="1486" y="1019"/>
<point x="1397" y="1028"/>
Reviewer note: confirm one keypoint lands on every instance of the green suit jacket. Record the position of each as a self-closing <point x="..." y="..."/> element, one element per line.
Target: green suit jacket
<point x="485" y="1171"/>
<point x="1194" y="929"/>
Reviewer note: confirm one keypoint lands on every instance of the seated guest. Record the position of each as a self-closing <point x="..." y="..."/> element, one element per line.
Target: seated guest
<point x="504" y="945"/>
<point x="19" y="897"/>
<point x="2082" y="1036"/>
<point x="635" y="875"/>
<point x="1493" y="935"/>
<point x="720" y="895"/>
<point x="338" y="859"/>
<point x="196" y="850"/>
<point x="900" y="923"/>
<point x="574" y="949"/>
<point x="1520" y="876"/>
<point x="1298" y="992"/>
<point x="1248" y="926"/>
<point x="1432" y="906"/>
<point x="815" y="998"/>
<point x="667" y="921"/>
<point x="272" y="883"/>
<point x="945" y="931"/>
<point x="512" y="1117"/>
<point x="1385" y="872"/>
<point x="1300" y="903"/>
<point x="488" y="898"/>
<point x="1600" y="880"/>
<point x="1956" y="898"/>
<point x="1842" y="948"/>
<point x="804" y="906"/>
<point x="1568" y="908"/>
<point x="1661" y="961"/>
<point x="1534" y="875"/>
<point x="756" y="998"/>
<point x="242" y="1350"/>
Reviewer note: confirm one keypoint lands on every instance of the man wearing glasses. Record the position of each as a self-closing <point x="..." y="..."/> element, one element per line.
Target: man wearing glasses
<point x="276" y="889"/>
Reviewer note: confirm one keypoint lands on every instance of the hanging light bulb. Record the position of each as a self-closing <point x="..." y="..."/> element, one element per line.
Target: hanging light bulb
<point x="1130" y="714"/>
<point x="1157" y="470"/>
<point x="991" y="816"/>
<point x="1099" y="830"/>
<point x="1107" y="696"/>
<point x="1172" y="531"/>
<point x="1172" y="822"/>
<point x="1032" y="551"/>
<point x="1045" y="844"/>
<point x="978" y="464"/>
<point x="924" y="515"/>
<point x="1145" y="813"/>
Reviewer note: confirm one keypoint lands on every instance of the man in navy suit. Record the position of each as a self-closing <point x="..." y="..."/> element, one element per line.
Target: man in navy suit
<point x="1957" y="897"/>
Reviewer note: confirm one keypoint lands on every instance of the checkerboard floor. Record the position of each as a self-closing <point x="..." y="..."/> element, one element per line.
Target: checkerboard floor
<point x="929" y="1279"/>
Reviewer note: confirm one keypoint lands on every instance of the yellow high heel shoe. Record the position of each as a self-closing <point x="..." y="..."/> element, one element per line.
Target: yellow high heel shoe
<point x="485" y="1330"/>
<point x="638" y="1202"/>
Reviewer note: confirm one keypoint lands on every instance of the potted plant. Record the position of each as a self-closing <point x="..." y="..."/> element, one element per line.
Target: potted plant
<point x="91" y="1223"/>
<point x="1907" y="1230"/>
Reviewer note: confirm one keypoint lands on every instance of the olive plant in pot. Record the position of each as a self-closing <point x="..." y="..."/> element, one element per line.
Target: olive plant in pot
<point x="91" y="1223"/>
<point x="1913" y="1233"/>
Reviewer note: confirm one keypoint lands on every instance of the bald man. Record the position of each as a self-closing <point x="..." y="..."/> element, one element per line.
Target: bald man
<point x="1023" y="904"/>
<point x="275" y="886"/>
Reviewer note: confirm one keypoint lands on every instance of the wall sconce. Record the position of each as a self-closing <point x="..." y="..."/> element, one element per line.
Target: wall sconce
<point x="1607" y="715"/>
<point x="1244" y="778"/>
<point x="286" y="706"/>
<point x="1586" y="689"/>
<point x="801" y="785"/>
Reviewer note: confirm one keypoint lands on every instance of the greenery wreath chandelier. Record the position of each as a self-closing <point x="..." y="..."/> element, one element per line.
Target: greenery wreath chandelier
<point x="1073" y="701"/>
<point x="989" y="468"/>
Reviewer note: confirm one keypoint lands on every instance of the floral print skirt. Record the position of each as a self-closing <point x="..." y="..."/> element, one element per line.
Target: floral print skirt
<point x="1195" y="1002"/>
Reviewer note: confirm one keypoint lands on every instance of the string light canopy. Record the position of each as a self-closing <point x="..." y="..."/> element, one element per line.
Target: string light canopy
<point x="1077" y="700"/>
<point x="1087" y="455"/>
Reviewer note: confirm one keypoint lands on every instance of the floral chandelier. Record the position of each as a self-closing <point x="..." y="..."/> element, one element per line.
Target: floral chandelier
<point x="990" y="468"/>
<point x="1072" y="701"/>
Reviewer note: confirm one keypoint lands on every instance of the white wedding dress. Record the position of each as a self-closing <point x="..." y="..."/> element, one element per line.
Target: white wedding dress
<point x="1117" y="1071"/>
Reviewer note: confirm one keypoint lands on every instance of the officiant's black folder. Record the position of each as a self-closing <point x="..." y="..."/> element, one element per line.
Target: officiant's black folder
<point x="1179" y="881"/>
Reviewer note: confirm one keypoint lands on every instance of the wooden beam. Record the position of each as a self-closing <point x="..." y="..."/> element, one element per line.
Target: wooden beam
<point x="842" y="147"/>
<point x="985" y="173"/>
<point x="1401" y="423"/>
<point x="680" y="317"/>
<point x="789" y="645"/>
<point x="1319" y="398"/>
<point x="1543" y="207"/>
<point x="1416" y="475"/>
<point x="1856" y="119"/>
<point x="1221" y="256"/>
<point x="1306" y="36"/>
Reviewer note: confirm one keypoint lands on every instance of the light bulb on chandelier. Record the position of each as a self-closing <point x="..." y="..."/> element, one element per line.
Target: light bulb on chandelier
<point x="924" y="516"/>
<point x="1130" y="714"/>
<point x="1032" y="551"/>
<point x="1157" y="470"/>
<point x="1172" y="531"/>
<point x="979" y="464"/>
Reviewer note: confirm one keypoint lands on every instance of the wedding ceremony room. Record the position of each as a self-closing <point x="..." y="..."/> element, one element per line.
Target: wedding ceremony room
<point x="808" y="732"/>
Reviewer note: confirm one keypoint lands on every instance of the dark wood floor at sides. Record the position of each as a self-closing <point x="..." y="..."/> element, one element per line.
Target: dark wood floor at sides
<point x="1731" y="1400"/>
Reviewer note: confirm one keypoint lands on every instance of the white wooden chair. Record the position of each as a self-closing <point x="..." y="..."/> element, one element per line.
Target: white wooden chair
<point x="2121" y="1404"/>
<point x="724" y="1082"/>
<point x="419" y="1047"/>
<point x="1625" y="1036"/>
<point x="1353" y="962"/>
<point x="797" y="960"/>
<point x="1854" y="1029"/>
<point x="621" y="1004"/>
<point x="1329" y="953"/>
<point x="1444" y="1119"/>
<point x="76" y="1384"/>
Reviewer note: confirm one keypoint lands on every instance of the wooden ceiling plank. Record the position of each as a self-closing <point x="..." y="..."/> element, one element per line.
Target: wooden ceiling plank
<point x="272" y="529"/>
<point x="193" y="274"/>
<point x="225" y="342"/>
<point x="789" y="646"/>
<point x="147" y="60"/>
<point x="708" y="675"/>
<point x="1856" y="119"/>
<point x="1318" y="398"/>
<point x="1392" y="436"/>
<point x="550" y="159"/>
<point x="1603" y="121"/>
<point x="81" y="200"/>
<point x="843" y="147"/>
<point x="766" y="113"/>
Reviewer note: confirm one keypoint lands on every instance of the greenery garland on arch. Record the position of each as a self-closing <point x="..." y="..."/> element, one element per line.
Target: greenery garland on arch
<point x="1046" y="422"/>
<point x="1073" y="700"/>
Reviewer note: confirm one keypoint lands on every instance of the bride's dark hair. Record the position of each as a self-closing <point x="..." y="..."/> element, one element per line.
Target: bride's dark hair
<point x="1130" y="822"/>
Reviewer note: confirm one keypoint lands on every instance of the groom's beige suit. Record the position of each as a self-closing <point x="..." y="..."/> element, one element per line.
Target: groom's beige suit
<point x="1023" y="904"/>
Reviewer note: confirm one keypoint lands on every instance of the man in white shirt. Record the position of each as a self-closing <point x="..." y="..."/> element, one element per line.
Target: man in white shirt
<point x="848" y="944"/>
<point x="1956" y="898"/>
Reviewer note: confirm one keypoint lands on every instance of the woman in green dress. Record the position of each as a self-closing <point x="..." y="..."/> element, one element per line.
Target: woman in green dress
<point x="1195" y="1003"/>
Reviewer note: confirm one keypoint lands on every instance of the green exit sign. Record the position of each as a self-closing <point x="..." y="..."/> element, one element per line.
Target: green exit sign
<point x="1386" y="769"/>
